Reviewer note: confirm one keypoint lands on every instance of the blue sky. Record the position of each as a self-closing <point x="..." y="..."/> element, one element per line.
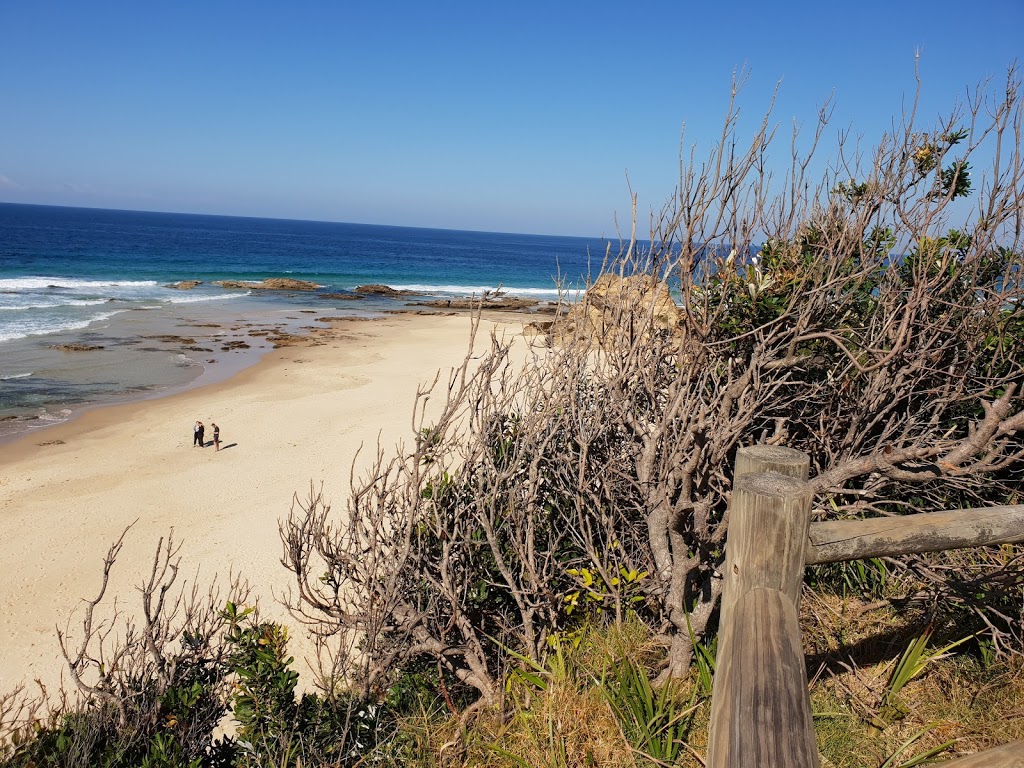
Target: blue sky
<point x="517" y="117"/>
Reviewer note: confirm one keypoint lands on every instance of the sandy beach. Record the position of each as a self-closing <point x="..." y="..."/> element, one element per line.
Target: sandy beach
<point x="300" y="415"/>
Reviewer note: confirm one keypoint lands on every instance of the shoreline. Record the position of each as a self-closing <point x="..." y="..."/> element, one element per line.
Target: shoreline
<point x="297" y="416"/>
<point x="148" y="355"/>
<point x="144" y="355"/>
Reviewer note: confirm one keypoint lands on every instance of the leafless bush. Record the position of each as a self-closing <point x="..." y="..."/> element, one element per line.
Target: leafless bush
<point x="153" y="685"/>
<point x="855" y="319"/>
<point x="19" y="710"/>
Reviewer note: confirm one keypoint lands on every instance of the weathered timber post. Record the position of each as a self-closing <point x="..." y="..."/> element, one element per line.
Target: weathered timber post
<point x="760" y="709"/>
<point x="752" y="459"/>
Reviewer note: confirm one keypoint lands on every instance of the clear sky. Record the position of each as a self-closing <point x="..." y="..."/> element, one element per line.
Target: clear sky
<point x="518" y="116"/>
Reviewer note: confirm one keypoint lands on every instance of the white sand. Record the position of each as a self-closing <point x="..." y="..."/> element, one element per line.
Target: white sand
<point x="298" y="416"/>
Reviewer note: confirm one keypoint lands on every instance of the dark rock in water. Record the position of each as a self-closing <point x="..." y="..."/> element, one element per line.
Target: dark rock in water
<point x="229" y="345"/>
<point x="171" y="339"/>
<point x="281" y="339"/>
<point x="376" y="289"/>
<point x="500" y="303"/>
<point x="76" y="346"/>
<point x="270" y="284"/>
<point x="288" y="284"/>
<point x="552" y="309"/>
<point x="425" y="312"/>
<point x="184" y="285"/>
<point x="341" y="296"/>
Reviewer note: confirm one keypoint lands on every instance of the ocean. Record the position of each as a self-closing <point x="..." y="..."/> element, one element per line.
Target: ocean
<point x="99" y="278"/>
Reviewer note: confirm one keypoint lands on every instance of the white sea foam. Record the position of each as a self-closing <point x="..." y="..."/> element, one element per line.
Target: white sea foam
<point x="61" y="415"/>
<point x="39" y="283"/>
<point x="37" y="305"/>
<point x="196" y="299"/>
<point x="40" y="328"/>
<point x="33" y="302"/>
<point x="464" y="290"/>
<point x="16" y="376"/>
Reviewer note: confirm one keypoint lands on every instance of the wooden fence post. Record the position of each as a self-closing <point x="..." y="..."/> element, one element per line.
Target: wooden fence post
<point x="760" y="707"/>
<point x="760" y="710"/>
<point x="756" y="459"/>
<point x="752" y="459"/>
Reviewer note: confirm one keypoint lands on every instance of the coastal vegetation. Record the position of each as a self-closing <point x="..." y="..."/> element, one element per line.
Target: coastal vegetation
<point x="534" y="579"/>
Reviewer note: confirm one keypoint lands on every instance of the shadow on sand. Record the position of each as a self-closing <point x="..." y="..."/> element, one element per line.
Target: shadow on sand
<point x="209" y="444"/>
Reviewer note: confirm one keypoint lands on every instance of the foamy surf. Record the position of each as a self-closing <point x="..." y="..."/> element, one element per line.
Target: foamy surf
<point x="39" y="305"/>
<point x="100" y="278"/>
<point x="17" y="303"/>
<point x="24" y="327"/>
<point x="48" y="416"/>
<point x="197" y="299"/>
<point x="550" y="294"/>
<point x="37" y="283"/>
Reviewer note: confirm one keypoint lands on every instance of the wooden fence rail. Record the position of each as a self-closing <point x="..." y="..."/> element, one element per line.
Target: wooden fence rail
<point x="831" y="542"/>
<point x="760" y="706"/>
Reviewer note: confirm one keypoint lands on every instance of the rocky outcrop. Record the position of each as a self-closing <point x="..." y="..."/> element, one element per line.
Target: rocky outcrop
<point x="76" y="346"/>
<point x="506" y="303"/>
<point x="611" y="299"/>
<point x="640" y="292"/>
<point x="283" y="339"/>
<point x="423" y="312"/>
<point x="376" y="289"/>
<point x="184" y="285"/>
<point x="341" y="296"/>
<point x="552" y="309"/>
<point x="270" y="284"/>
<point x="168" y="338"/>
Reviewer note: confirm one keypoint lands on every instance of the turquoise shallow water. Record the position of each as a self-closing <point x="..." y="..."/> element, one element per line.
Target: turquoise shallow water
<point x="99" y="277"/>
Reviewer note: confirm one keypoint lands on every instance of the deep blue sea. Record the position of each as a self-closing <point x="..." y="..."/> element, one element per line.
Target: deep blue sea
<point x="59" y="266"/>
<point x="86" y="275"/>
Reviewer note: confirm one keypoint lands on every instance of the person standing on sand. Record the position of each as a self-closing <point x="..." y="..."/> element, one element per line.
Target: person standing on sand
<point x="216" y="435"/>
<point x="202" y="431"/>
<point x="197" y="434"/>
